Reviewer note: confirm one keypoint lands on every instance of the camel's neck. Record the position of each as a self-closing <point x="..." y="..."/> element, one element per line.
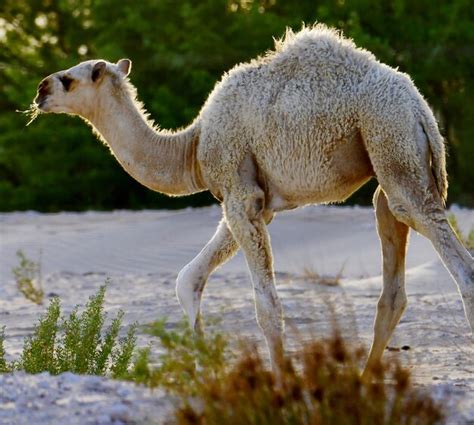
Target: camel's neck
<point x="163" y="161"/>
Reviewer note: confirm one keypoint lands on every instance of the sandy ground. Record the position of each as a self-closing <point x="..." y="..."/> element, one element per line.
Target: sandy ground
<point x="142" y="252"/>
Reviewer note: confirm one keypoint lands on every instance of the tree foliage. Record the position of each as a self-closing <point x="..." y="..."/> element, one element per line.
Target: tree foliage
<point x="179" y="50"/>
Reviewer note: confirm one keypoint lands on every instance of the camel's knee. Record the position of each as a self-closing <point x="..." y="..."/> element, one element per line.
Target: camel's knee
<point x="190" y="280"/>
<point x="189" y="287"/>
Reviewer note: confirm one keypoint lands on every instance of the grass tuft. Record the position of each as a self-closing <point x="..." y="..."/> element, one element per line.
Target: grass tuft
<point x="28" y="278"/>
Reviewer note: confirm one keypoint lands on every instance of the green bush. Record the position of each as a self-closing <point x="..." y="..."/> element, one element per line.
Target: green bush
<point x="76" y="344"/>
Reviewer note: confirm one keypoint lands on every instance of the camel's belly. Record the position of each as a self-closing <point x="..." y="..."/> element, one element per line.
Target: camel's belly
<point x="280" y="199"/>
<point x="326" y="176"/>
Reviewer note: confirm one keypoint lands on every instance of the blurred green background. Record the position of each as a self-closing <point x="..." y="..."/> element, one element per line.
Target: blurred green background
<point x="179" y="50"/>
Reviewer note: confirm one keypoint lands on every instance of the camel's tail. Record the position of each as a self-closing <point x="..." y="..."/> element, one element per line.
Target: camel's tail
<point x="438" y="154"/>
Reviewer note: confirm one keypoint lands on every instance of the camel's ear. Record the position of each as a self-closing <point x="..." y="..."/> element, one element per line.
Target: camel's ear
<point x="98" y="71"/>
<point x="124" y="66"/>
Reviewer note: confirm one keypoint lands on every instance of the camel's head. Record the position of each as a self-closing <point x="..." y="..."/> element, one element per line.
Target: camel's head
<point x="77" y="90"/>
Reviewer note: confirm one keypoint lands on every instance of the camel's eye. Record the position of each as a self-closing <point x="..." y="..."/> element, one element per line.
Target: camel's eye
<point x="66" y="82"/>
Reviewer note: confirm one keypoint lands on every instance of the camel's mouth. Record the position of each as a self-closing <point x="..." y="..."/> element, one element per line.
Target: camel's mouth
<point x="39" y="102"/>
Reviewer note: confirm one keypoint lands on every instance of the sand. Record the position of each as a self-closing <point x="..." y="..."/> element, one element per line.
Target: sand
<point x="142" y="252"/>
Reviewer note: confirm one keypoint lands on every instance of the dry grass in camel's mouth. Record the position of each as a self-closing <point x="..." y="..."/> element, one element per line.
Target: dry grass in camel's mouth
<point x="32" y="112"/>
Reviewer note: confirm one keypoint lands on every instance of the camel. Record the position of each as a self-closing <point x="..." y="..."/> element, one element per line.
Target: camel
<point x="309" y="122"/>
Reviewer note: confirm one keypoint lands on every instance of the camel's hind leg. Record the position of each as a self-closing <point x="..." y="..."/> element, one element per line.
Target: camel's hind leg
<point x="455" y="257"/>
<point x="392" y="302"/>
<point x="193" y="277"/>
<point x="421" y="208"/>
<point x="404" y="172"/>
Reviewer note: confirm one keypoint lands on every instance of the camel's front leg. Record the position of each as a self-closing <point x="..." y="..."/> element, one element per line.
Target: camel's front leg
<point x="193" y="277"/>
<point x="245" y="216"/>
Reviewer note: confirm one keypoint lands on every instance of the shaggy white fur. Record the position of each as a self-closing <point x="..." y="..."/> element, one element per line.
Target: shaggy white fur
<point x="307" y="123"/>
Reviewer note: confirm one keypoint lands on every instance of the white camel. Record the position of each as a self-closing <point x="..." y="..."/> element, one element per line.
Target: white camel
<point x="307" y="123"/>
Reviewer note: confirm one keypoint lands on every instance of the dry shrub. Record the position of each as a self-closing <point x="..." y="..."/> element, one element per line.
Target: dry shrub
<point x="311" y="275"/>
<point x="28" y="278"/>
<point x="319" y="385"/>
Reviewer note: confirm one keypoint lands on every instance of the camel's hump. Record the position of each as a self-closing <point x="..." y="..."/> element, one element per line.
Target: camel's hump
<point x="317" y="43"/>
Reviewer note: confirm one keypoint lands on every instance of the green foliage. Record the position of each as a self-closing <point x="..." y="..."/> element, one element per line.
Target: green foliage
<point x="470" y="239"/>
<point x="184" y="350"/>
<point x="4" y="367"/>
<point x="28" y="278"/>
<point x="179" y="50"/>
<point x="122" y="358"/>
<point x="467" y="241"/>
<point x="105" y="350"/>
<point x="39" y="350"/>
<point x="75" y="344"/>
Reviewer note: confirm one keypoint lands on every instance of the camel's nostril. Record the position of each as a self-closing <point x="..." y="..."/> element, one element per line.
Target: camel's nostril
<point x="43" y="88"/>
<point x="43" y="92"/>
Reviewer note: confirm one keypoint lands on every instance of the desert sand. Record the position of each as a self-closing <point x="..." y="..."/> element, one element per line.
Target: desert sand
<point x="142" y="252"/>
